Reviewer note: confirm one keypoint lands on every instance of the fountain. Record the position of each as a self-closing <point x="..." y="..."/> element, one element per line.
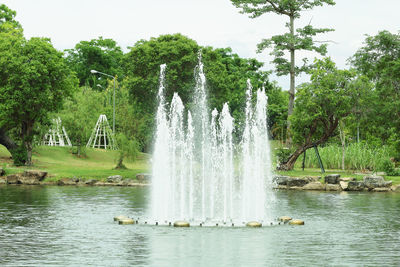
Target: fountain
<point x="199" y="174"/>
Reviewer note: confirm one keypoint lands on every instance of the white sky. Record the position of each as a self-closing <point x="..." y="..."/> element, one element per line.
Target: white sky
<point x="215" y="23"/>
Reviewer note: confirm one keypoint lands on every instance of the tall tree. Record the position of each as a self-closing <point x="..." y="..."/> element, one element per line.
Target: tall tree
<point x="379" y="61"/>
<point x="292" y="41"/>
<point x="9" y="25"/>
<point x="7" y="19"/>
<point x="225" y="71"/>
<point x="34" y="80"/>
<point x="320" y="106"/>
<point x="97" y="54"/>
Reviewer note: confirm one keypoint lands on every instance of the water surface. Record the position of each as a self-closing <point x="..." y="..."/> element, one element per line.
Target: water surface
<point x="73" y="226"/>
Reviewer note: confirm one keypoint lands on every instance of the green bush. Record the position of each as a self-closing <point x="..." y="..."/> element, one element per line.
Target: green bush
<point x="388" y="166"/>
<point x="19" y="155"/>
<point x="282" y="154"/>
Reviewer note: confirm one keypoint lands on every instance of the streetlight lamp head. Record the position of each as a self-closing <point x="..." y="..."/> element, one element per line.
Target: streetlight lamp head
<point x="93" y="71"/>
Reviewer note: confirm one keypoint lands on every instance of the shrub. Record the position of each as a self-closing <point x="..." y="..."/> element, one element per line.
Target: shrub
<point x="19" y="155"/>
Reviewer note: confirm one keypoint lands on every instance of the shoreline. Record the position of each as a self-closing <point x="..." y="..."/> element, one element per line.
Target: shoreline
<point x="331" y="183"/>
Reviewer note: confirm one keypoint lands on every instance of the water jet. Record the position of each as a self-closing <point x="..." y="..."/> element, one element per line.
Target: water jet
<point x="194" y="173"/>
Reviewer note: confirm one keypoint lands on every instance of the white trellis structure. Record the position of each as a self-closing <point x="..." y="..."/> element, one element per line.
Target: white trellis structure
<point x="57" y="135"/>
<point x="102" y="135"/>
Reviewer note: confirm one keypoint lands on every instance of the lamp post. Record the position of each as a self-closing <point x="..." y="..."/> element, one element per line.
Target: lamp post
<point x="94" y="72"/>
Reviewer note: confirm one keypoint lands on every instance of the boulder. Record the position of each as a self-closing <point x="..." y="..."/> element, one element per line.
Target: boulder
<point x="3" y="180"/>
<point x="346" y="179"/>
<point x="297" y="182"/>
<point x="344" y="185"/>
<point x="12" y="179"/>
<point x="355" y="186"/>
<point x="67" y="181"/>
<point x="381" y="189"/>
<point x="281" y="180"/>
<point x="2" y="172"/>
<point x="372" y="182"/>
<point x="294" y="187"/>
<point x="333" y="187"/>
<point x="332" y="179"/>
<point x="87" y="182"/>
<point x="313" y="178"/>
<point x="114" y="179"/>
<point x="30" y="180"/>
<point x="143" y="177"/>
<point x="314" y="186"/>
<point x="396" y="188"/>
<point x="281" y="187"/>
<point x="35" y="174"/>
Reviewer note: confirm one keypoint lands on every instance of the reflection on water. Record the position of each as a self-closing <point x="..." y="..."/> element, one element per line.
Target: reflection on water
<point x="74" y="226"/>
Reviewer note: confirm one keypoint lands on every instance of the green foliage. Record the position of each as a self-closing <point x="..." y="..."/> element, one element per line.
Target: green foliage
<point x="379" y="61"/>
<point x="358" y="156"/>
<point x="97" y="54"/>
<point x="34" y="80"/>
<point x="257" y="8"/>
<point x="284" y="46"/>
<point x="127" y="149"/>
<point x="388" y="167"/>
<point x="321" y="104"/>
<point x="226" y="74"/>
<point x="303" y="40"/>
<point x="282" y="154"/>
<point x="19" y="155"/>
<point x="142" y="67"/>
<point x="80" y="114"/>
<point x="7" y="19"/>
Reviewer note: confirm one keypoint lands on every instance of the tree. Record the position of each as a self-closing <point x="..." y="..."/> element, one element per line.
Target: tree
<point x="7" y="19"/>
<point x="226" y="74"/>
<point x="142" y="67"/>
<point x="292" y="41"/>
<point x="379" y="61"/>
<point x="320" y="105"/>
<point x="97" y="54"/>
<point x="8" y="25"/>
<point x="80" y="114"/>
<point x="34" y="80"/>
<point x="127" y="149"/>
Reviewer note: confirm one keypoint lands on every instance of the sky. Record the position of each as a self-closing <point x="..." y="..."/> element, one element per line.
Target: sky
<point x="215" y="23"/>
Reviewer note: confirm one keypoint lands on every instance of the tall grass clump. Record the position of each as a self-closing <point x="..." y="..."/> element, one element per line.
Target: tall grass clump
<point x="358" y="156"/>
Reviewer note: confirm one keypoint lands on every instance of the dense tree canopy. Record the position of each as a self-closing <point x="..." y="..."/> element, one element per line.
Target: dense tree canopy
<point x="7" y="19"/>
<point x="34" y="80"/>
<point x="225" y="71"/>
<point x="379" y="61"/>
<point x="320" y="106"/>
<point x="98" y="54"/>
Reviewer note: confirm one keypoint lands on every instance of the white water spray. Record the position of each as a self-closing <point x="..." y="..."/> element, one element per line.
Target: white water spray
<point x="194" y="174"/>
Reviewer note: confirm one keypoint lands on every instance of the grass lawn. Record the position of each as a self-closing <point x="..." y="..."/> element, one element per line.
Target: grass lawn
<point x="59" y="162"/>
<point x="98" y="164"/>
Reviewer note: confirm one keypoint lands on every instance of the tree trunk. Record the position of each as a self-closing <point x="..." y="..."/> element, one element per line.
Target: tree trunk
<point x="26" y="134"/>
<point x="329" y="130"/>
<point x="289" y="165"/>
<point x="28" y="146"/>
<point x="6" y="141"/>
<point x="292" y="82"/>
<point x="78" y="149"/>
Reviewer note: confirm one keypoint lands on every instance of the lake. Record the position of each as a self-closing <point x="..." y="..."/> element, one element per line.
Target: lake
<point x="73" y="226"/>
